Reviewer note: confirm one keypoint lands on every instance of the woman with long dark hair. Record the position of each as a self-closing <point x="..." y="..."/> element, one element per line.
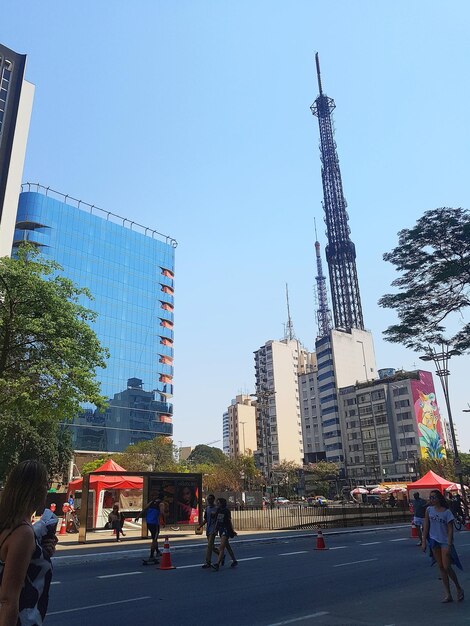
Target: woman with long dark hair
<point x="438" y="530"/>
<point x="224" y="528"/>
<point x="25" y="566"/>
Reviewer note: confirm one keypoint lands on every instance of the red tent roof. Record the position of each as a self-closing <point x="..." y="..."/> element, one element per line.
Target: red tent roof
<point x="109" y="466"/>
<point x="430" y="481"/>
<point x="99" y="482"/>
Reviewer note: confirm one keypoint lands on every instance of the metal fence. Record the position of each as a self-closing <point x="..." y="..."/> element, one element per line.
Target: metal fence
<point x="305" y="517"/>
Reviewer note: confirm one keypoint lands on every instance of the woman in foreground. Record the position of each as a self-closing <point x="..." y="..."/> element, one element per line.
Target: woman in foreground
<point x="439" y="531"/>
<point x="25" y="566"/>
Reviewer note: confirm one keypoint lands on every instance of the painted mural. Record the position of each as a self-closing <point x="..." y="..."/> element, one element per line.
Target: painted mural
<point x="431" y="432"/>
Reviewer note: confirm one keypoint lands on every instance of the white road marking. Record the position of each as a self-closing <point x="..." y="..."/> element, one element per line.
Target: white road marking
<point x="301" y="619"/>
<point x="338" y="547"/>
<point x="97" y="606"/>
<point x="122" y="574"/>
<point x="56" y="582"/>
<point x="370" y="543"/>
<point x="289" y="553"/>
<point x="402" y="539"/>
<point x="188" y="566"/>
<point x="354" y="562"/>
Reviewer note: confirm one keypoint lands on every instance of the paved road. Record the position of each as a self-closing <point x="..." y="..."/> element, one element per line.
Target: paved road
<point x="378" y="579"/>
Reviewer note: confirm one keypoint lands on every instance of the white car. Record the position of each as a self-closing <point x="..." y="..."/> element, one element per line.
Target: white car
<point x="281" y="501"/>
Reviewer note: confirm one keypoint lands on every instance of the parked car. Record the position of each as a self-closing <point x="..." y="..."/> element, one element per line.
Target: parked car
<point x="281" y="502"/>
<point x="373" y="499"/>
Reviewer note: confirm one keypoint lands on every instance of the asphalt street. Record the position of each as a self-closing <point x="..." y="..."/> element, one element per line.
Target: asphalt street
<point x="379" y="578"/>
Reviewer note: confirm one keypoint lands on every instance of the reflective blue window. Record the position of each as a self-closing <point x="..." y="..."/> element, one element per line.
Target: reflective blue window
<point x="126" y="272"/>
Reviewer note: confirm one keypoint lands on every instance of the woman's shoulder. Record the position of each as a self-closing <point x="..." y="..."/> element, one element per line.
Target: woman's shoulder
<point x="21" y="535"/>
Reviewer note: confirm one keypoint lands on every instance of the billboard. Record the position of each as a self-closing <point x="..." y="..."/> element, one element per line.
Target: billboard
<point x="430" y="427"/>
<point x="181" y="496"/>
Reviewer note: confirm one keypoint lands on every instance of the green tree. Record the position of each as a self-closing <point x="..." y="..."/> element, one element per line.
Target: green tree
<point x="319" y="476"/>
<point x="91" y="466"/>
<point x="285" y="475"/>
<point x="155" y="455"/>
<point x="433" y="259"/>
<point x="206" y="454"/>
<point x="48" y="357"/>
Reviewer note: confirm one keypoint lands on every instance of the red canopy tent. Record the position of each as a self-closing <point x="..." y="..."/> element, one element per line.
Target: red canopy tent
<point x="99" y="483"/>
<point x="429" y="481"/>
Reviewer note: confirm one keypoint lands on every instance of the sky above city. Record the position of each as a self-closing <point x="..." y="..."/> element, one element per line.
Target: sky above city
<point x="192" y="117"/>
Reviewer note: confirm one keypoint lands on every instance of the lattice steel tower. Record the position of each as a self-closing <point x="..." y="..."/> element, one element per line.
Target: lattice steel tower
<point x="323" y="312"/>
<point x="340" y="251"/>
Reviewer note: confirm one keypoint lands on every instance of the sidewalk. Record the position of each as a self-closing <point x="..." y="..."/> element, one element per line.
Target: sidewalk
<point x="70" y="552"/>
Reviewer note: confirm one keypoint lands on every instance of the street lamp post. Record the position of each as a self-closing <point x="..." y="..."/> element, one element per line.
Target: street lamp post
<point x="243" y="431"/>
<point x="441" y="362"/>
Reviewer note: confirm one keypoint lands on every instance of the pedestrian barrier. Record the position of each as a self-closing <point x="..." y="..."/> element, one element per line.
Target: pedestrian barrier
<point x="414" y="531"/>
<point x="320" y="541"/>
<point x="165" y="563"/>
<point x="63" y="527"/>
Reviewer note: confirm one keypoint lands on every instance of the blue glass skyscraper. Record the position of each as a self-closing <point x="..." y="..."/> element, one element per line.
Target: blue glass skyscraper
<point x="129" y="269"/>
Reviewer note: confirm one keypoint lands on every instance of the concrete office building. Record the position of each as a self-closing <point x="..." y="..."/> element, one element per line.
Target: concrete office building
<point x="343" y="358"/>
<point x="241" y="421"/>
<point x="389" y="423"/>
<point x="129" y="269"/>
<point x="312" y="429"/>
<point x="279" y="427"/>
<point x="16" y="103"/>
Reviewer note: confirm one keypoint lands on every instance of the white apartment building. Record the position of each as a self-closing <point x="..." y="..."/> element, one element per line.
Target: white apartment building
<point x="279" y="427"/>
<point x="343" y="358"/>
<point x="240" y="427"/>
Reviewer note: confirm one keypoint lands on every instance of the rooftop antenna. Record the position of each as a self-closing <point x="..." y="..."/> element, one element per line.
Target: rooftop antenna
<point x="289" y="328"/>
<point x="324" y="321"/>
<point x="317" y="61"/>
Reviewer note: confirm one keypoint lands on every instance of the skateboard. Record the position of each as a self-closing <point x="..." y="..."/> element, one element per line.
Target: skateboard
<point x="152" y="561"/>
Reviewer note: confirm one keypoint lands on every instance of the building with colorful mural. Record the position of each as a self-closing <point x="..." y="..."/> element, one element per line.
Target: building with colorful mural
<point x="388" y="424"/>
<point x="429" y="421"/>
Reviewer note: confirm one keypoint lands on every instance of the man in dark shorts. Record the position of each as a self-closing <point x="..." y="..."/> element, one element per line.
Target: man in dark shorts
<point x="154" y="516"/>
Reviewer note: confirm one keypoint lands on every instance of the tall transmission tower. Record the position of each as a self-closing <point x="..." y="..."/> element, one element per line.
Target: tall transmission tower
<point x="324" y="322"/>
<point x="289" y="327"/>
<point x="340" y="251"/>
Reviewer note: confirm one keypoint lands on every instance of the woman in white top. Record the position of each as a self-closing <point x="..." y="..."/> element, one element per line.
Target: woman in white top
<point x="439" y="532"/>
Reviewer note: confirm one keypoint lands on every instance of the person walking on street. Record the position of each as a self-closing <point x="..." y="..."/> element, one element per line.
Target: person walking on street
<point x="439" y="527"/>
<point x="224" y="528"/>
<point x="210" y="523"/>
<point x="25" y="560"/>
<point x="155" y="517"/>
<point x="419" y="511"/>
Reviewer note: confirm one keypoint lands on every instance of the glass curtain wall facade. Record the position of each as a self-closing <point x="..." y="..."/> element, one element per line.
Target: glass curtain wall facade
<point x="129" y="270"/>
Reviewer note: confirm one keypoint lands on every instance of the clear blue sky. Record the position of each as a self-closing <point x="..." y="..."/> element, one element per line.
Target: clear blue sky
<point x="192" y="117"/>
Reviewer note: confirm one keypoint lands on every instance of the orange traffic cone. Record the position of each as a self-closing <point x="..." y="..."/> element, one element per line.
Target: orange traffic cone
<point x="320" y="542"/>
<point x="414" y="531"/>
<point x="63" y="527"/>
<point x="165" y="562"/>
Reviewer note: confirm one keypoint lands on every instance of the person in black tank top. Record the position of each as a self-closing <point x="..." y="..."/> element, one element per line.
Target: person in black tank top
<point x="25" y="566"/>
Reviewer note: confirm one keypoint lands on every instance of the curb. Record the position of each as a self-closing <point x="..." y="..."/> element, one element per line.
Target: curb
<point x="79" y="559"/>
